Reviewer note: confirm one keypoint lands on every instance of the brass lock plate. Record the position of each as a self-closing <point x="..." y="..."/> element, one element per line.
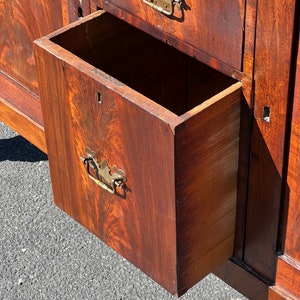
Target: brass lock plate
<point x="101" y="173"/>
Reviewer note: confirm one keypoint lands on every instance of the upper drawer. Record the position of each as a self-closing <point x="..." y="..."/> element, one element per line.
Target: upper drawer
<point x="211" y="31"/>
<point x="116" y="100"/>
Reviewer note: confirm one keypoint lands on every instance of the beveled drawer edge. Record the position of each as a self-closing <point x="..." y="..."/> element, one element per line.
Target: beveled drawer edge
<point x="218" y="97"/>
<point x="113" y="84"/>
<point x="125" y="91"/>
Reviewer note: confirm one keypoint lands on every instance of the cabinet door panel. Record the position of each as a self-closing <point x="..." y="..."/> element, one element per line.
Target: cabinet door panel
<point x="21" y="23"/>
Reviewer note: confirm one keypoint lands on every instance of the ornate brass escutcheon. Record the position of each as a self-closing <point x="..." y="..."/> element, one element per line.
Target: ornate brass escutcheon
<point x="101" y="174"/>
<point x="164" y="6"/>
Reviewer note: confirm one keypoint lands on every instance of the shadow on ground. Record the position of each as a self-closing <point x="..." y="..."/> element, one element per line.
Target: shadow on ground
<point x="19" y="149"/>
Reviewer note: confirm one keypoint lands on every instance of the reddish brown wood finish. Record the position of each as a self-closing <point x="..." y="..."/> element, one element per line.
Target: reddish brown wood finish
<point x="206" y="186"/>
<point x="273" y="52"/>
<point x="288" y="276"/>
<point x="21" y="23"/>
<point x="246" y="283"/>
<point x="266" y="53"/>
<point x="288" y="266"/>
<point x="272" y="66"/>
<point x="292" y="243"/>
<point x="21" y="110"/>
<point x="198" y="31"/>
<point x="22" y="123"/>
<point x="276" y="293"/>
<point x="176" y="219"/>
<point x="245" y="133"/>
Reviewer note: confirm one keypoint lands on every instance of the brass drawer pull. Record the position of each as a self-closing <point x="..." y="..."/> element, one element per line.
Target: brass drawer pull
<point x="164" y="6"/>
<point x="101" y="174"/>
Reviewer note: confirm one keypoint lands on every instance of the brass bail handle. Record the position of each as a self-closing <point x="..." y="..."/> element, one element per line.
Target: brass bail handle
<point x="103" y="177"/>
<point x="164" y="6"/>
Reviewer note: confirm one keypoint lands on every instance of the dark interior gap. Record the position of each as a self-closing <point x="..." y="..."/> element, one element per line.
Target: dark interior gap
<point x="160" y="72"/>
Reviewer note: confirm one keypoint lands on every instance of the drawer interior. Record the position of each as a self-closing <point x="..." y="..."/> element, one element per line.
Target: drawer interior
<point x="156" y="70"/>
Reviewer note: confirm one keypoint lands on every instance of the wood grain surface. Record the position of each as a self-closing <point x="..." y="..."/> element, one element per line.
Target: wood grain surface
<point x="21" y="23"/>
<point x="288" y="276"/>
<point x="246" y="283"/>
<point x="197" y="30"/>
<point x="180" y="168"/>
<point x="292" y="242"/>
<point x="273" y="56"/>
<point x="206" y="183"/>
<point x="288" y="266"/>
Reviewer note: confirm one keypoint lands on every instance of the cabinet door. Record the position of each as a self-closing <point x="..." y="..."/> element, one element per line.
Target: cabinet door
<point x="209" y="30"/>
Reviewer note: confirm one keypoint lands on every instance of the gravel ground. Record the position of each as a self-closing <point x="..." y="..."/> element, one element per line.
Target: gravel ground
<point x="44" y="254"/>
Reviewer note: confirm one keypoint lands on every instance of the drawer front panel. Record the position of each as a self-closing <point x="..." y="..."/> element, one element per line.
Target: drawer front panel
<point x="138" y="222"/>
<point x="214" y="28"/>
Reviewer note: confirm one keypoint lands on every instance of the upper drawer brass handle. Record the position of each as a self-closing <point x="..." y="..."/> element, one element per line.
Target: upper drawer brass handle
<point x="101" y="174"/>
<point x="164" y="6"/>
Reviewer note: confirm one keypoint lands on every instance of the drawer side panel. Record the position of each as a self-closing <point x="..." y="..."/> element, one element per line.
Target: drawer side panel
<point x="206" y="186"/>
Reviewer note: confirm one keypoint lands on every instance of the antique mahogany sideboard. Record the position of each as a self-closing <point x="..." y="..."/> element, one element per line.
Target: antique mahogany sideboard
<point x="172" y="130"/>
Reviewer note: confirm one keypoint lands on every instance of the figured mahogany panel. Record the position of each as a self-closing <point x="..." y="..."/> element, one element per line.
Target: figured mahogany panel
<point x="175" y="219"/>
<point x="198" y="29"/>
<point x="126" y="136"/>
<point x="21" y="23"/>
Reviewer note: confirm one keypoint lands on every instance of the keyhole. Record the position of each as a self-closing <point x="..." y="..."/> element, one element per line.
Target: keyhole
<point x="266" y="114"/>
<point x="80" y="12"/>
<point x="99" y="97"/>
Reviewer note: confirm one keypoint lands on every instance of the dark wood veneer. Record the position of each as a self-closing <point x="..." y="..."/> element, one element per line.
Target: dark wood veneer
<point x="252" y="41"/>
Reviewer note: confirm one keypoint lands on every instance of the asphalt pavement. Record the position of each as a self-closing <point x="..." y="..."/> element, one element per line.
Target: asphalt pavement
<point x="44" y="254"/>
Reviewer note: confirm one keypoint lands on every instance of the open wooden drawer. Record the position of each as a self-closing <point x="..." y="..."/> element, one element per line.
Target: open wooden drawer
<point x="143" y="146"/>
